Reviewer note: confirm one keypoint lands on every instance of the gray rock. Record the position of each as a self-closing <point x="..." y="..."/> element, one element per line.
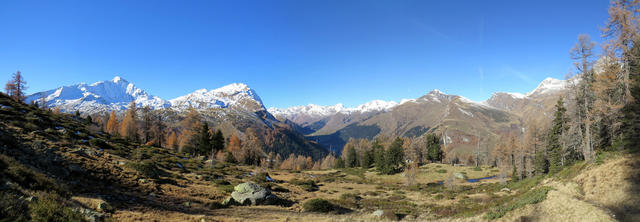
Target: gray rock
<point x="459" y="175"/>
<point x="387" y="214"/>
<point x="506" y="190"/>
<point x="253" y="194"/>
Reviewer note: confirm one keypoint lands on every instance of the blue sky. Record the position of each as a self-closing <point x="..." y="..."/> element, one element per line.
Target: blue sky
<point x="297" y="52"/>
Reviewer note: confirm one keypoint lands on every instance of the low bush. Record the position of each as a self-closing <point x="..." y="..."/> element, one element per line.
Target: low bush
<point x="48" y="208"/>
<point x="318" y="205"/>
<point x="531" y="197"/>
<point x="147" y="168"/>
<point x="441" y="171"/>
<point x="308" y="185"/>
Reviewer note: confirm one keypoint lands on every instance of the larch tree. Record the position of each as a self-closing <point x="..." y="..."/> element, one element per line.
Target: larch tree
<point x="147" y="124"/>
<point x="158" y="130"/>
<point x="235" y="147"/>
<point x="129" y="129"/>
<point x="16" y="86"/>
<point x="584" y="97"/>
<point x="112" y="124"/>
<point x="622" y="30"/>
<point x="172" y="141"/>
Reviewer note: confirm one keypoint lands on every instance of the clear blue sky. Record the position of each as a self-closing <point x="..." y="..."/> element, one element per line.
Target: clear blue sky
<point x="297" y="52"/>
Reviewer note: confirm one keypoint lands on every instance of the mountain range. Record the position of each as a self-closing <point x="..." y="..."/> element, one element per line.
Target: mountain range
<point x="313" y="129"/>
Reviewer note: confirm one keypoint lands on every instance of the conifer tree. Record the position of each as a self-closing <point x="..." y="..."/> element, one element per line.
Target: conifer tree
<point x="367" y="159"/>
<point x="218" y="141"/>
<point x="378" y="155"/>
<point x="434" y="152"/>
<point x="394" y="157"/>
<point x="631" y="111"/>
<point x="554" y="148"/>
<point x="112" y="124"/>
<point x="16" y="86"/>
<point x="339" y="163"/>
<point x="204" y="143"/>
<point x="129" y="130"/>
<point x="172" y="141"/>
<point x="351" y="159"/>
<point x="147" y="123"/>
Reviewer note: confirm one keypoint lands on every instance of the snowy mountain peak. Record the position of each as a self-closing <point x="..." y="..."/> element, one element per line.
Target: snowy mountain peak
<point x="548" y="85"/>
<point x="376" y="105"/>
<point x="235" y="94"/>
<point x="117" y="79"/>
<point x="436" y="92"/>
<point x="98" y="97"/>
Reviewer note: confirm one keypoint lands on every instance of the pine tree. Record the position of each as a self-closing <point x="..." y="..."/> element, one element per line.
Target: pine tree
<point x="367" y="159"/>
<point x="434" y="152"/>
<point x="554" y="148"/>
<point x="378" y="155"/>
<point x="112" y="124"/>
<point x="218" y="141"/>
<point x="16" y="86"/>
<point x="339" y="163"/>
<point x="204" y="143"/>
<point x="631" y="111"/>
<point x="394" y="157"/>
<point x="351" y="159"/>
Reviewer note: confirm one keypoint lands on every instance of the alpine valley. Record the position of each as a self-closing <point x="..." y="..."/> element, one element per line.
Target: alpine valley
<point x="313" y="130"/>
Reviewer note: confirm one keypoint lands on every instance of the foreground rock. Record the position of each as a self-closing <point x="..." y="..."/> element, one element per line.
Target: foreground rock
<point x="250" y="194"/>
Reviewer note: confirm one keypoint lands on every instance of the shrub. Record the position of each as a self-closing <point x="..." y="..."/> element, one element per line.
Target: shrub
<point x="308" y="185"/>
<point x="12" y="208"/>
<point x="441" y="171"/>
<point x="99" y="143"/>
<point x="49" y="209"/>
<point x="531" y="197"/>
<point x="147" y="168"/>
<point x="318" y="205"/>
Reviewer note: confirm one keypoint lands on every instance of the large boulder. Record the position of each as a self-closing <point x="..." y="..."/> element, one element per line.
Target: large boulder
<point x="251" y="194"/>
<point x="459" y="175"/>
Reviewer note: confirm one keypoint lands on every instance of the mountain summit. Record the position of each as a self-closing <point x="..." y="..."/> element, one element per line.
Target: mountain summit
<point x="108" y="95"/>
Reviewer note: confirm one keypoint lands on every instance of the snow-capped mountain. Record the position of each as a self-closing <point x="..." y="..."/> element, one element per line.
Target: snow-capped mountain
<point x="317" y="111"/>
<point x="232" y="95"/>
<point x="115" y="94"/>
<point x="549" y="85"/>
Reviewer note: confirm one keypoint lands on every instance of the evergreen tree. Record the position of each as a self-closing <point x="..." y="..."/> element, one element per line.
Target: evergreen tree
<point x="554" y="148"/>
<point x="339" y="163"/>
<point x="434" y="152"/>
<point x="631" y="111"/>
<point x="394" y="158"/>
<point x="217" y="141"/>
<point x="351" y="156"/>
<point x="541" y="163"/>
<point x="367" y="159"/>
<point x="514" y="174"/>
<point x="204" y="143"/>
<point x="378" y="155"/>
